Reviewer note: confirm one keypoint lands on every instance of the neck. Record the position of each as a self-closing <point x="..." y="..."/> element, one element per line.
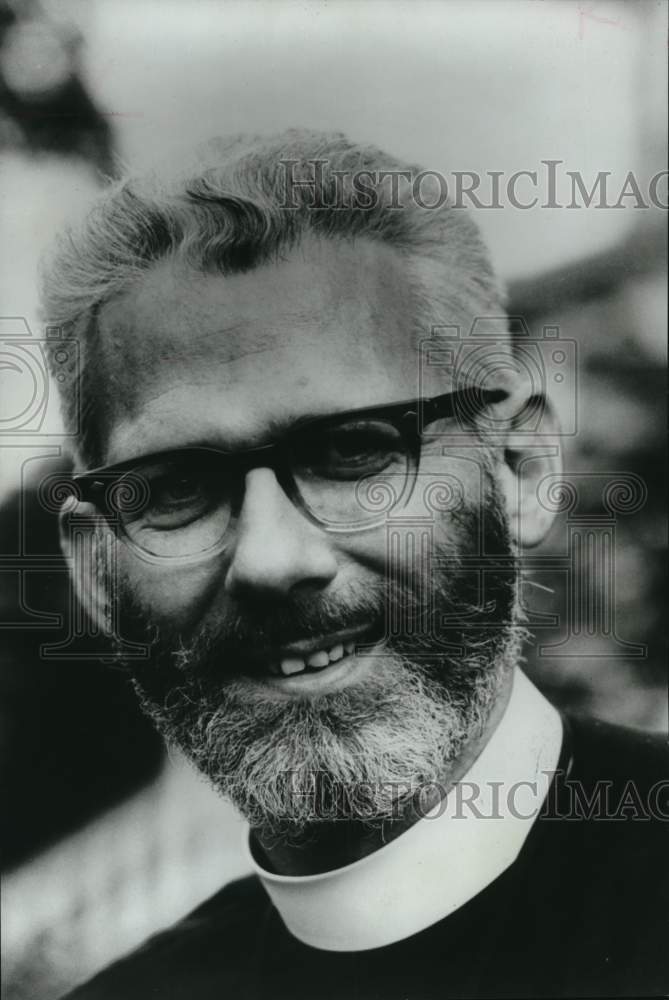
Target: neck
<point x="326" y="846"/>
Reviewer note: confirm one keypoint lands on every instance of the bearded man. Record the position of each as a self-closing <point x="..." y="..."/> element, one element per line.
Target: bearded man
<point x="313" y="533"/>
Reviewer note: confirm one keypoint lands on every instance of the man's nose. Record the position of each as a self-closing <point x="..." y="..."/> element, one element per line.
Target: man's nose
<point x="276" y="549"/>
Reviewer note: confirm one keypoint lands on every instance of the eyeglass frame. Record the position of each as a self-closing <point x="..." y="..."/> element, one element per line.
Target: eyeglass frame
<point x="409" y="417"/>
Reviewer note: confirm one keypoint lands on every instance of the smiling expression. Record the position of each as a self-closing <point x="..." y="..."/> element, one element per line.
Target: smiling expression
<point x="225" y="361"/>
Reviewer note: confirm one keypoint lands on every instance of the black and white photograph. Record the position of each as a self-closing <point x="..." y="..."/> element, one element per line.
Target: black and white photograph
<point x="333" y="499"/>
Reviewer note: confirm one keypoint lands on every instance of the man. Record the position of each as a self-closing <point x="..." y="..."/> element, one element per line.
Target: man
<point x="312" y="531"/>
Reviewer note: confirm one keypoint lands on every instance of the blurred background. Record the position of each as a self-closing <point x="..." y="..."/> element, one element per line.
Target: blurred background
<point x="105" y="839"/>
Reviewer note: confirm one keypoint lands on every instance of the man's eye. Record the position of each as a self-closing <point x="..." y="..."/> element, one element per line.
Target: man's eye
<point x="174" y="497"/>
<point x="354" y="450"/>
<point x="175" y="491"/>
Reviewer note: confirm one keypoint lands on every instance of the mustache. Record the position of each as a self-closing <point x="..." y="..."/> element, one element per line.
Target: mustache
<point x="280" y="624"/>
<point x="410" y="605"/>
<point x="248" y="634"/>
<point x="265" y="627"/>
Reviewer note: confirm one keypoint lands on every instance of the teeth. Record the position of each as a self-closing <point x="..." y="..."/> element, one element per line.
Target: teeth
<point x="319" y="659"/>
<point x="292" y="665"/>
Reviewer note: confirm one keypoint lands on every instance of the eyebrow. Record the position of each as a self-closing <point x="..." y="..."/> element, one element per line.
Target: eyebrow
<point x="276" y="428"/>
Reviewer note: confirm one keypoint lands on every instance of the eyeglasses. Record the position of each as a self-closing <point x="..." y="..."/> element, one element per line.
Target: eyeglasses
<point x="345" y="473"/>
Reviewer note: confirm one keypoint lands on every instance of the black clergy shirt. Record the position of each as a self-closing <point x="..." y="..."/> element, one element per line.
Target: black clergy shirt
<point x="582" y="912"/>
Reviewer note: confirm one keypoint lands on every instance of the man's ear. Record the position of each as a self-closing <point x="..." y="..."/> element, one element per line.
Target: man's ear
<point x="81" y="550"/>
<point x="529" y="456"/>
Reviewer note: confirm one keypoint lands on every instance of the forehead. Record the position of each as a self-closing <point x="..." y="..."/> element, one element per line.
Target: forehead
<point x="188" y="356"/>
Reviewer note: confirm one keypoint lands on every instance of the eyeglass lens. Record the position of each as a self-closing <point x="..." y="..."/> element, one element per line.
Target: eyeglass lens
<point x="345" y="475"/>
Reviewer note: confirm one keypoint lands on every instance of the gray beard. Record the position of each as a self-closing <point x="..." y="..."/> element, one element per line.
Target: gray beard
<point x="361" y="754"/>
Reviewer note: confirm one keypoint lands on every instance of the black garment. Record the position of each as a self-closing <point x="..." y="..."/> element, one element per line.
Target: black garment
<point x="582" y="912"/>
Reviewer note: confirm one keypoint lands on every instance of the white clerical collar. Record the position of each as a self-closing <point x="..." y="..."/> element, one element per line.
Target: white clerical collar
<point x="444" y="859"/>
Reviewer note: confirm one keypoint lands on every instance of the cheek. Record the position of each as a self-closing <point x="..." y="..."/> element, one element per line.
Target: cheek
<point x="454" y="491"/>
<point x="178" y="594"/>
<point x="444" y="510"/>
<point x="451" y="479"/>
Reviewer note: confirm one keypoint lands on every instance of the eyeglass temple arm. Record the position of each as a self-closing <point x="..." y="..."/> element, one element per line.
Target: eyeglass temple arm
<point x="469" y="399"/>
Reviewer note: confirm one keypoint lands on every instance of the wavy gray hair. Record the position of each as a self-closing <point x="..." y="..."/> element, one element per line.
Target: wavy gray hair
<point x="241" y="201"/>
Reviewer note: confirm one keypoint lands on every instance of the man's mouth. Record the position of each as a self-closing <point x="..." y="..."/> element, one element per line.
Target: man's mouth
<point x="292" y="663"/>
<point x="312" y="655"/>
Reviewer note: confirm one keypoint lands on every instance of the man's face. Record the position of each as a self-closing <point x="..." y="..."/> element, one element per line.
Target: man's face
<point x="238" y="675"/>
